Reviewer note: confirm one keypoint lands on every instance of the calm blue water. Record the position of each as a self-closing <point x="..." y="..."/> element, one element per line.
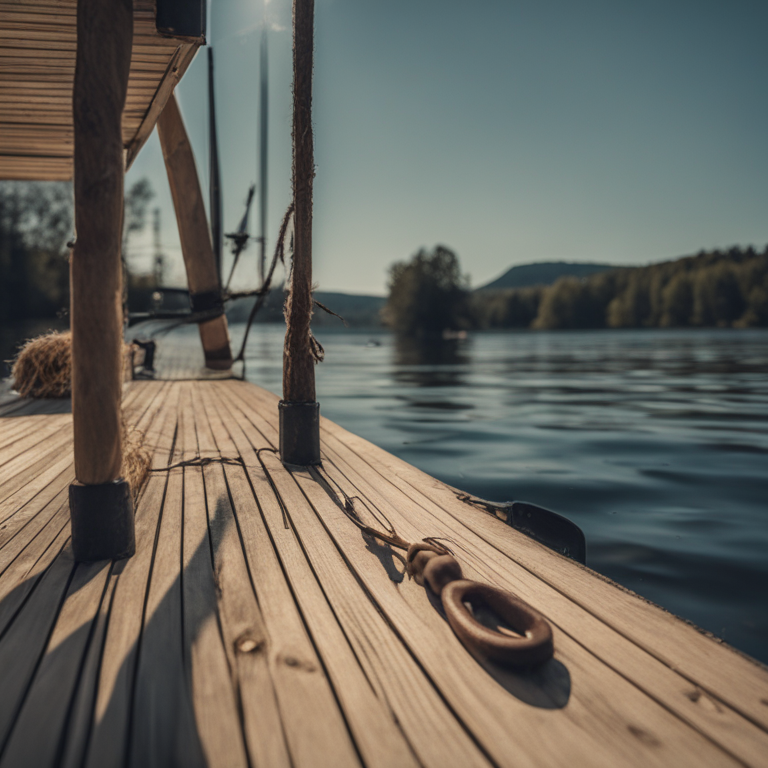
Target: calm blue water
<point x="654" y="442"/>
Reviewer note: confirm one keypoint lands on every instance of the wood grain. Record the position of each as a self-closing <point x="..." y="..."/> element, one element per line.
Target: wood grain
<point x="256" y="624"/>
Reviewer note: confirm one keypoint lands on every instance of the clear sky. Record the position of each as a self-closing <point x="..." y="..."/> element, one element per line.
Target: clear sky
<point x="627" y="131"/>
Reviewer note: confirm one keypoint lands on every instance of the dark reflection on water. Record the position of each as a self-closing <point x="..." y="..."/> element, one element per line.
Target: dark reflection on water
<point x="654" y="442"/>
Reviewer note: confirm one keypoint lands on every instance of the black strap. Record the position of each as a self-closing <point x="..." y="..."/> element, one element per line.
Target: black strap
<point x="209" y="302"/>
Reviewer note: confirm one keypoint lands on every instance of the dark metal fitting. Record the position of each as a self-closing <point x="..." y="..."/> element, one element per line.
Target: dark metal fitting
<point x="149" y="346"/>
<point x="209" y="302"/>
<point x="299" y="433"/>
<point x="102" y="521"/>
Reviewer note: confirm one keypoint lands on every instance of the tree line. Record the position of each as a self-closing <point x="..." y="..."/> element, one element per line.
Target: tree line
<point x="35" y="224"/>
<point x="719" y="288"/>
<point x="724" y="289"/>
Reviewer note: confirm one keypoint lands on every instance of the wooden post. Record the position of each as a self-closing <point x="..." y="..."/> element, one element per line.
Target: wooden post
<point x="299" y="413"/>
<point x="199" y="259"/>
<point x="214" y="196"/>
<point x="100" y="501"/>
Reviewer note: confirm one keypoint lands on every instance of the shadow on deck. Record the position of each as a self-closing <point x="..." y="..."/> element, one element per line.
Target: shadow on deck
<point x="256" y="626"/>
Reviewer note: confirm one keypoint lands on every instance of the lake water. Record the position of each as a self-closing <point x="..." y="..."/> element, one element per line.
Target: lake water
<point x="654" y="442"/>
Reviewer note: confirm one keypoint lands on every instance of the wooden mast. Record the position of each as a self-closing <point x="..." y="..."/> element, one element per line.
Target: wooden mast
<point x="100" y="501"/>
<point x="299" y="412"/>
<point x="214" y="201"/>
<point x="263" y="156"/>
<point x="199" y="259"/>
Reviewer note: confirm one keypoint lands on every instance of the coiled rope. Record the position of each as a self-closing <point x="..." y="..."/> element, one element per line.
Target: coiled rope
<point x="431" y="563"/>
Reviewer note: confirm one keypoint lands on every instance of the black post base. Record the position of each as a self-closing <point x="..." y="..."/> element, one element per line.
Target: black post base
<point x="102" y="521"/>
<point x="299" y="433"/>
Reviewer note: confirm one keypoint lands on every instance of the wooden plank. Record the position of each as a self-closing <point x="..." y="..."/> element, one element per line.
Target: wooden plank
<point x="23" y="467"/>
<point x="21" y="426"/>
<point x="109" y="740"/>
<point x="138" y="97"/>
<point x="163" y="719"/>
<point x="51" y="434"/>
<point x="33" y="15"/>
<point x="46" y="706"/>
<point x="42" y="171"/>
<point x="45" y="484"/>
<point x="40" y="475"/>
<point x="177" y="66"/>
<point x="729" y="677"/>
<point x="246" y="638"/>
<point x="302" y="689"/>
<point x="213" y="696"/>
<point x="41" y="34"/>
<point x="55" y="6"/>
<point x="21" y="574"/>
<point x="23" y="644"/>
<point x="371" y="717"/>
<point x="28" y="527"/>
<point x="573" y="733"/>
<point x="713" y="719"/>
<point x="141" y="408"/>
<point x="199" y="259"/>
<point x="78" y="726"/>
<point x="31" y="45"/>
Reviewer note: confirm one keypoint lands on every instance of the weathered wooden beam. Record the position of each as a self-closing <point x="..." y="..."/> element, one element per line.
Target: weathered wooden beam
<point x="199" y="260"/>
<point x="100" y="500"/>
<point x="299" y="412"/>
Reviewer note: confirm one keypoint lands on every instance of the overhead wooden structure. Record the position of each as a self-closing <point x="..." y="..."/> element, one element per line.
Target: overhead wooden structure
<point x="37" y="68"/>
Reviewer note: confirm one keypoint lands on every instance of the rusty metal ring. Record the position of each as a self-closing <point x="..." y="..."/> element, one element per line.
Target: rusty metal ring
<point x="534" y="647"/>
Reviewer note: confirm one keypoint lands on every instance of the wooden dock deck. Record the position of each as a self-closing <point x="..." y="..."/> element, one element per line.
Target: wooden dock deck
<point x="256" y="626"/>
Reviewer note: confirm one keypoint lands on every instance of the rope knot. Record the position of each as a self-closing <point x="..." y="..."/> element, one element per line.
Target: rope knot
<point x="430" y="562"/>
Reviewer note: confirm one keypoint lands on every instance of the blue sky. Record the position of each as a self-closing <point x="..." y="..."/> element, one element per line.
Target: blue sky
<point x="512" y="132"/>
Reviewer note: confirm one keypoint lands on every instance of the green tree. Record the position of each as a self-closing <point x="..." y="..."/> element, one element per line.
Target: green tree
<point x="677" y="301"/>
<point x="137" y="199"/>
<point x="35" y="224"/>
<point x="509" y="308"/>
<point x="572" y="302"/>
<point x="717" y="298"/>
<point x="632" y="307"/>
<point x="427" y="295"/>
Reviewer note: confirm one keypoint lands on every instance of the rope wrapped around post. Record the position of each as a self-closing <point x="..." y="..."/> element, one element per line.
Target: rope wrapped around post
<point x="299" y="412"/>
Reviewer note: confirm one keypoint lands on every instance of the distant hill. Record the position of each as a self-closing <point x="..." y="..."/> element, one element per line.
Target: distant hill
<point x="543" y="273"/>
<point x="357" y="310"/>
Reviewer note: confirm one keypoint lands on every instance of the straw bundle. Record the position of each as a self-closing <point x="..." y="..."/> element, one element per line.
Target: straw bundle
<point x="43" y="367"/>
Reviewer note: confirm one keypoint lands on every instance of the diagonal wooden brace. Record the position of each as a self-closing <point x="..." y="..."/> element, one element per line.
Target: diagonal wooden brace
<point x="199" y="259"/>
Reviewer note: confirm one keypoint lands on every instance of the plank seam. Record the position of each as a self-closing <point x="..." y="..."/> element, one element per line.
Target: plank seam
<point x="299" y="610"/>
<point x="140" y="639"/>
<point x="73" y="697"/>
<point x="583" y="607"/>
<point x="40" y="658"/>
